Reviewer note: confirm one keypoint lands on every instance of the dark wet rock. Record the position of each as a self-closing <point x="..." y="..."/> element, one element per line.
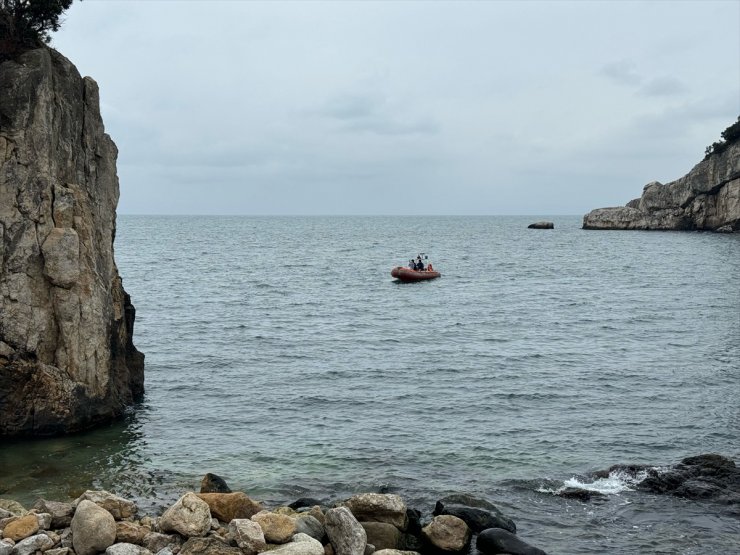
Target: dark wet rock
<point x="580" y="494"/>
<point x="708" y="476"/>
<point x="496" y="540"/>
<point x="477" y="513"/>
<point x="633" y="470"/>
<point x="541" y="225"/>
<point x="414" y="522"/>
<point x="213" y="483"/>
<point x="304" y="502"/>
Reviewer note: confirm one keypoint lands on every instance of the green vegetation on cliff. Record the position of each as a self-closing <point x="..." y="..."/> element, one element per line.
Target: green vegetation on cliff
<point x="729" y="136"/>
<point x="28" y="23"/>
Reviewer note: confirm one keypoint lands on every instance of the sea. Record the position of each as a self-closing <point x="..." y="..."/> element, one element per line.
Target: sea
<point x="282" y="356"/>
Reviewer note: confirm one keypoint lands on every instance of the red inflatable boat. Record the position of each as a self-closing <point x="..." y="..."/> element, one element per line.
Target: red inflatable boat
<point x="403" y="273"/>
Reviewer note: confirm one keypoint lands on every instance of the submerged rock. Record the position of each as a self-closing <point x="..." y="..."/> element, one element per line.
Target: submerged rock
<point x="707" y="476"/>
<point x="496" y="540"/>
<point x="212" y="483"/>
<point x="66" y="323"/>
<point x="541" y="225"/>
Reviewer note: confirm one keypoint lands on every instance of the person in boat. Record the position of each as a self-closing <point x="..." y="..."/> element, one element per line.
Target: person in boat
<point x="419" y="264"/>
<point x="412" y="264"/>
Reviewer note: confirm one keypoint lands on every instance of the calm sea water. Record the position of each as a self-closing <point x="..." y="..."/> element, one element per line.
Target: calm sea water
<point x="281" y="355"/>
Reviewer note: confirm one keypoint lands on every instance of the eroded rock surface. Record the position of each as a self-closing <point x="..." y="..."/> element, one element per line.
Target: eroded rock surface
<point x="67" y="361"/>
<point x="707" y="198"/>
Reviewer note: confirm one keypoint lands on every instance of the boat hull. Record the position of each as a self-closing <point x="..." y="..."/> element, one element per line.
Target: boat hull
<point x="402" y="273"/>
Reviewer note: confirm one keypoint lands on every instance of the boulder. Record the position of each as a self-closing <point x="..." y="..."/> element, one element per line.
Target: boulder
<point x="247" y="535"/>
<point x="119" y="507"/>
<point x="32" y="544"/>
<point x="127" y="549"/>
<point x="304" y="502"/>
<point x="21" y="528"/>
<point x="447" y="533"/>
<point x="277" y="528"/>
<point x="212" y="483"/>
<point x="13" y="507"/>
<point x="156" y="542"/>
<point x="44" y="520"/>
<point x="189" y="516"/>
<point x="208" y="546"/>
<point x="477" y="513"/>
<point x="395" y="552"/>
<point x="308" y="524"/>
<point x="379" y="507"/>
<point x="130" y="532"/>
<point x="93" y="528"/>
<point x="496" y="540"/>
<point x="382" y="535"/>
<point x="709" y="476"/>
<point x="228" y="506"/>
<point x="346" y="534"/>
<point x="6" y="547"/>
<point x="61" y="513"/>
<point x="541" y="225"/>
<point x="301" y="544"/>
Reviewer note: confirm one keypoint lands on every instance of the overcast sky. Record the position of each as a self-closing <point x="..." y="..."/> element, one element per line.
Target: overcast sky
<point x="404" y="107"/>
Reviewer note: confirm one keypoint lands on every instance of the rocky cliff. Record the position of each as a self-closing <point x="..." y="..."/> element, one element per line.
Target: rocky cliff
<point x="67" y="361"/>
<point x="707" y="198"/>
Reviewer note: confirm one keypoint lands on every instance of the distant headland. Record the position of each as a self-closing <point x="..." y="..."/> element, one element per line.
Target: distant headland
<point x="707" y="198"/>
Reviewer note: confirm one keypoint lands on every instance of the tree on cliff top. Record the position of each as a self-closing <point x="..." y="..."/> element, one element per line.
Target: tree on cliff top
<point x="729" y="136"/>
<point x="29" y="23"/>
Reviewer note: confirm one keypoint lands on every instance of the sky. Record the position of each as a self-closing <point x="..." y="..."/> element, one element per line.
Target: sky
<point x="469" y="108"/>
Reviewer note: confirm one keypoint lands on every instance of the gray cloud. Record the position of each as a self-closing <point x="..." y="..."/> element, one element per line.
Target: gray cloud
<point x="438" y="107"/>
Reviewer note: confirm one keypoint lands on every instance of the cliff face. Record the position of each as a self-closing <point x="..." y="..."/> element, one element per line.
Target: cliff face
<point x="67" y="360"/>
<point x="707" y="198"/>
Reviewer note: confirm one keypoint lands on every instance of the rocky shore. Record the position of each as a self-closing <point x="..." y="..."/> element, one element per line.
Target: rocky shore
<point x="217" y="521"/>
<point x="707" y="198"/>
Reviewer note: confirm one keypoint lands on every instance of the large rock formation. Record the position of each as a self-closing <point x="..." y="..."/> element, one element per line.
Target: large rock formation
<point x="67" y="360"/>
<point x="707" y="198"/>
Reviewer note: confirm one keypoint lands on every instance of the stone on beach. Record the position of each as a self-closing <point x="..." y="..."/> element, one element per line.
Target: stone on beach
<point x="189" y="516"/>
<point x="309" y="524"/>
<point x="395" y="552"/>
<point x="93" y="528"/>
<point x="248" y="535"/>
<point x="496" y="540"/>
<point x="382" y="535"/>
<point x="61" y="513"/>
<point x="346" y="534"/>
<point x="117" y="506"/>
<point x="130" y="532"/>
<point x="32" y="544"/>
<point x="379" y="507"/>
<point x="276" y="527"/>
<point x="301" y="544"/>
<point x="155" y="541"/>
<point x="6" y="547"/>
<point x="447" y="533"/>
<point x="13" y="507"/>
<point x="208" y="546"/>
<point x="22" y="528"/>
<point x="228" y="506"/>
<point x="127" y="549"/>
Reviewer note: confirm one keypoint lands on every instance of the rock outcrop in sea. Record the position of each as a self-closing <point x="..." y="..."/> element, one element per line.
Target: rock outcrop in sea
<point x="707" y="198"/>
<point x="67" y="360"/>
